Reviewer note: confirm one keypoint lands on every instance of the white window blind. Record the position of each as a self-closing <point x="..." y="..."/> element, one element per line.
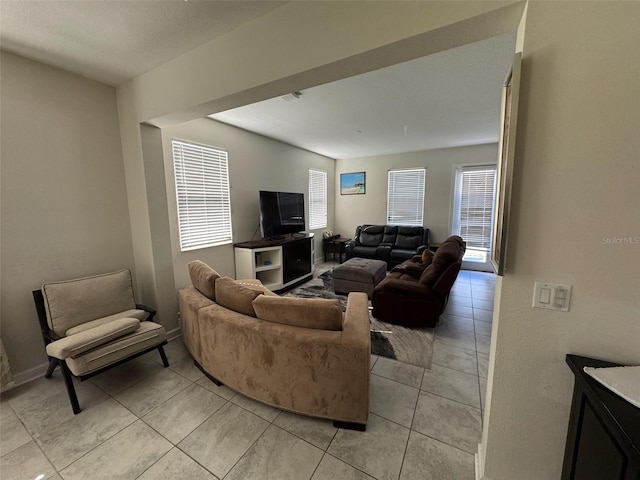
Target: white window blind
<point x="477" y="192"/>
<point x="317" y="199"/>
<point x="405" y="196"/>
<point x="203" y="196"/>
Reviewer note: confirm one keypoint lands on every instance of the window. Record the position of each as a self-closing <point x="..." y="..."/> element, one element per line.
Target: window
<point x="317" y="199"/>
<point x="405" y="196"/>
<point x="202" y="193"/>
<point x="473" y="209"/>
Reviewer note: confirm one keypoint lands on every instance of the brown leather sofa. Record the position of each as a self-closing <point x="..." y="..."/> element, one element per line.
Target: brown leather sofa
<point x="298" y="354"/>
<point x="392" y="244"/>
<point x="415" y="293"/>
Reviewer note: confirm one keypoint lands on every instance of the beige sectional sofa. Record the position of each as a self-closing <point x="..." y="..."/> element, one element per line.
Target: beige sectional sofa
<point x="301" y="355"/>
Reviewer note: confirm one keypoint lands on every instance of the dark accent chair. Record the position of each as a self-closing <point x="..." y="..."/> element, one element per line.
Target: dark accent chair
<point x="416" y="293"/>
<point x="92" y="324"/>
<point x="392" y="244"/>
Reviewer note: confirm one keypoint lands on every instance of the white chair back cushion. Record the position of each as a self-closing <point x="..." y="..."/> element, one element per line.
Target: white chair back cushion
<point x="73" y="302"/>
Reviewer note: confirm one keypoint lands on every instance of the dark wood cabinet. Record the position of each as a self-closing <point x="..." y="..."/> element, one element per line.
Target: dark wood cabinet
<point x="296" y="259"/>
<point x="603" y="439"/>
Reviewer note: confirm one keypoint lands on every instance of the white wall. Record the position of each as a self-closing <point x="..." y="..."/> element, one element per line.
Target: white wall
<point x="576" y="185"/>
<point x="255" y="163"/>
<point x="64" y="203"/>
<point x="371" y="207"/>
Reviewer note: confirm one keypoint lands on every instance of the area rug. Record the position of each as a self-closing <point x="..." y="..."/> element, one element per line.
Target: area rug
<point x="408" y="345"/>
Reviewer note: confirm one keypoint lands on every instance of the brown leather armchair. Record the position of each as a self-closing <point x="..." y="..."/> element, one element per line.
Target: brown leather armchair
<point x="415" y="293"/>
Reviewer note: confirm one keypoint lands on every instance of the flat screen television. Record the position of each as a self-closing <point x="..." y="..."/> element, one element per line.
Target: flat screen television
<point x="281" y="213"/>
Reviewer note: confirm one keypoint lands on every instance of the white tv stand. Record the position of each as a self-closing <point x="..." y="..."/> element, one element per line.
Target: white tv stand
<point x="278" y="264"/>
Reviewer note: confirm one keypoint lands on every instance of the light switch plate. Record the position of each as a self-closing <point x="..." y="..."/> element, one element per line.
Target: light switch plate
<point x="552" y="296"/>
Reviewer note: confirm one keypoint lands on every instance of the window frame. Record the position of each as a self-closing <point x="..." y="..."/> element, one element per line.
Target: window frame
<point x="203" y="195"/>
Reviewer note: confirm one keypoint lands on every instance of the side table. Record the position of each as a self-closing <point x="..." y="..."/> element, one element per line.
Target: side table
<point x="334" y="245"/>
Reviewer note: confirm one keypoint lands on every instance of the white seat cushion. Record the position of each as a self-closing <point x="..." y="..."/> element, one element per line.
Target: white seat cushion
<point x="74" y="345"/>
<point x="134" y="313"/>
<point x="74" y="302"/>
<point x="148" y="335"/>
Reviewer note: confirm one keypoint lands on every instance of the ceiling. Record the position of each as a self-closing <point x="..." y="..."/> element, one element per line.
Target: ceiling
<point x="448" y="99"/>
<point x="113" y="41"/>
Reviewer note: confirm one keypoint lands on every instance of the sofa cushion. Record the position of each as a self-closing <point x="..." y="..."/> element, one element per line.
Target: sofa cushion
<point x="449" y="252"/>
<point x="389" y="235"/>
<point x="365" y="252"/>
<point x="429" y="275"/>
<point x="401" y="253"/>
<point x="255" y="284"/>
<point x="371" y="235"/>
<point x="427" y="257"/>
<point x="236" y="297"/>
<point x="318" y="313"/>
<point x="72" y="302"/>
<point x="134" y="313"/>
<point x="148" y="335"/>
<point x="79" y="343"/>
<point x="203" y="277"/>
<point x="409" y="237"/>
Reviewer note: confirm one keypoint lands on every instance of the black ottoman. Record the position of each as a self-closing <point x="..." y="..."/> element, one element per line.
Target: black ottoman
<point x="358" y="275"/>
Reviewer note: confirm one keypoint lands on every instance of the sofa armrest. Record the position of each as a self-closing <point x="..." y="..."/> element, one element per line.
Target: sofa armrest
<point x="403" y="286"/>
<point x="76" y="344"/>
<point x="414" y="269"/>
<point x="355" y="329"/>
<point x="149" y="310"/>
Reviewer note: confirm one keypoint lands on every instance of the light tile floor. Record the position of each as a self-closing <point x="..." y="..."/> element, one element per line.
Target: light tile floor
<point x="143" y="421"/>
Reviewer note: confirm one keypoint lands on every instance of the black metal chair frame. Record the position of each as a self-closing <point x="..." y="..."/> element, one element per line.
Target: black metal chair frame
<point x="49" y="336"/>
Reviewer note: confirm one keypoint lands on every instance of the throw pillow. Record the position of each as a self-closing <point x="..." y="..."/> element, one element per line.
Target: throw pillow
<point x="203" y="278"/>
<point x="427" y="256"/>
<point x="235" y="297"/>
<point x="318" y="313"/>
<point x="256" y="285"/>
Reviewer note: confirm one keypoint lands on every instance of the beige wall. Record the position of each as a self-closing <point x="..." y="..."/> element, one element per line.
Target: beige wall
<point x="316" y="42"/>
<point x="576" y="184"/>
<point x="64" y="203"/>
<point x="255" y="163"/>
<point x="371" y="207"/>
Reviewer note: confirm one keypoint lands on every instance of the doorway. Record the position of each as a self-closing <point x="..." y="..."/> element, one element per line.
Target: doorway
<point x="473" y="210"/>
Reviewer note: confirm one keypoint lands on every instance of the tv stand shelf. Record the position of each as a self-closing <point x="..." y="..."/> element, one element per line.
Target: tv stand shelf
<point x="278" y="264"/>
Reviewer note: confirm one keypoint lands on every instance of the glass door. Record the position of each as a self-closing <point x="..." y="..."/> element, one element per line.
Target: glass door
<point x="473" y="207"/>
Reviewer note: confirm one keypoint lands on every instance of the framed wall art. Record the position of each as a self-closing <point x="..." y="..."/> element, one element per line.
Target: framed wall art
<point x="353" y="183"/>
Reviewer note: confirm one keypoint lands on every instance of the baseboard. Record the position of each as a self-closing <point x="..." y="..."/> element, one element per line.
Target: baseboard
<point x="29" y="375"/>
<point x="479" y="464"/>
<point x="174" y="333"/>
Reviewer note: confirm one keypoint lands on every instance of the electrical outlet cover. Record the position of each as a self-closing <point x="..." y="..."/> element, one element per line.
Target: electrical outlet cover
<point x="552" y="296"/>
